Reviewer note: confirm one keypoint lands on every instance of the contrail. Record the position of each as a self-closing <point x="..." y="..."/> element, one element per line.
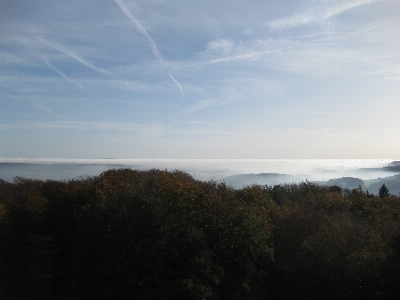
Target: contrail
<point x="176" y="82"/>
<point x="139" y="27"/>
<point x="73" y="55"/>
<point x="239" y="57"/>
<point x="62" y="74"/>
<point x="143" y="31"/>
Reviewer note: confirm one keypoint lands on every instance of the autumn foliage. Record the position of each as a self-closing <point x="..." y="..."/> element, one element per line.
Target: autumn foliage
<point x="155" y="234"/>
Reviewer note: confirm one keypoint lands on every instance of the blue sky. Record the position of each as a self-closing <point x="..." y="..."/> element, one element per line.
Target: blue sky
<point x="200" y="79"/>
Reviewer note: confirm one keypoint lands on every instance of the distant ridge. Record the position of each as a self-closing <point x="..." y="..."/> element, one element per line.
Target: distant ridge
<point x="346" y="182"/>
<point x="372" y="185"/>
<point x="241" y="180"/>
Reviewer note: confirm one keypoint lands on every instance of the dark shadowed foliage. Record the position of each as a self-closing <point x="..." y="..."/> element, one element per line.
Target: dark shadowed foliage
<point x="163" y="235"/>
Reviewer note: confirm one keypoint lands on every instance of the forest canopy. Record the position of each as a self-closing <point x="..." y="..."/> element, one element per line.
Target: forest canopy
<point x="164" y="235"/>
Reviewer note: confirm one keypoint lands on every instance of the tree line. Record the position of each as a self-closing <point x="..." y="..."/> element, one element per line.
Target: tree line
<point x="155" y="234"/>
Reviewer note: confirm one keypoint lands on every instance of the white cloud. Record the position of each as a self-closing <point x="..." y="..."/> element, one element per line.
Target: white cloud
<point x="241" y="57"/>
<point x="220" y="46"/>
<point x="318" y="13"/>
<point x="253" y="50"/>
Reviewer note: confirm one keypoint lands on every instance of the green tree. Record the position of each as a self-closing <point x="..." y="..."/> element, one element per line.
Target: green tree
<point x="383" y="191"/>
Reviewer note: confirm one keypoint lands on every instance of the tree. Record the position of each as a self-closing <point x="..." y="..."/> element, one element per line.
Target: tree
<point x="383" y="191"/>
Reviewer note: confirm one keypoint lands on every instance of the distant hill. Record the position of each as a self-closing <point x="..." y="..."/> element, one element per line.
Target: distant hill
<point x="373" y="185"/>
<point x="346" y="182"/>
<point x="241" y="180"/>
<point x="391" y="182"/>
<point x="395" y="168"/>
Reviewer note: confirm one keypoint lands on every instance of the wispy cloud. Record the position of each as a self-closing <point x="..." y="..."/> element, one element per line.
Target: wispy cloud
<point x="309" y="112"/>
<point x="294" y="56"/>
<point x="344" y="6"/>
<point x="319" y="13"/>
<point x="73" y="55"/>
<point x="221" y="45"/>
<point x="385" y="71"/>
<point x="143" y="31"/>
<point x="199" y="105"/>
<point x="102" y="126"/>
<point x="201" y="123"/>
<point x="246" y="56"/>
<point x="320" y="58"/>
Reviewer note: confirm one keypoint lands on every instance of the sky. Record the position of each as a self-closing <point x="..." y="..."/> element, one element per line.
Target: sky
<point x="194" y="79"/>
